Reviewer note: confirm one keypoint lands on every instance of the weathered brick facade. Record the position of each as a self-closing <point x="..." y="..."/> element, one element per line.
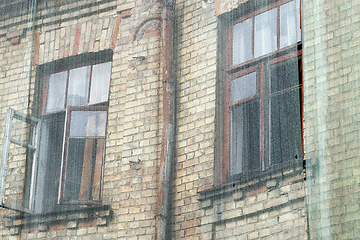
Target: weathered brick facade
<point x="331" y="96"/>
<point x="286" y="203"/>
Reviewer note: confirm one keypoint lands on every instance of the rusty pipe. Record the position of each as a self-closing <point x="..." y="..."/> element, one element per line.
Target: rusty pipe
<point x="168" y="130"/>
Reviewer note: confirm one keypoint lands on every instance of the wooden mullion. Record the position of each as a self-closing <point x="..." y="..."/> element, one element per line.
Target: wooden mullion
<point x="229" y="46"/>
<point x="86" y="170"/>
<point x="226" y="129"/>
<point x="97" y="172"/>
<point x="89" y="87"/>
<point x="44" y="97"/>
<point x="66" y="88"/>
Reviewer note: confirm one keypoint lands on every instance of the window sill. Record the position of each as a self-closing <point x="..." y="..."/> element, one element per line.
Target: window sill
<point x="268" y="180"/>
<point x="69" y="219"/>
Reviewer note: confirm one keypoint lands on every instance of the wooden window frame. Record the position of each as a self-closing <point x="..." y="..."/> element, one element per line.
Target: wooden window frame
<point x="40" y="155"/>
<point x="98" y="165"/>
<point x="261" y="65"/>
<point x="47" y="80"/>
<point x="98" y="106"/>
<point x="101" y="104"/>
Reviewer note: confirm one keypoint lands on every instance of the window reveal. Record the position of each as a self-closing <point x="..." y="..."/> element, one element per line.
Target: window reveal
<point x="262" y="115"/>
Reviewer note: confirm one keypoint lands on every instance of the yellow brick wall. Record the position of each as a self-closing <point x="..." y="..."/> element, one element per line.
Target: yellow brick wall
<point x="273" y="207"/>
<point x="195" y="49"/>
<point x="331" y="98"/>
<point x="131" y="30"/>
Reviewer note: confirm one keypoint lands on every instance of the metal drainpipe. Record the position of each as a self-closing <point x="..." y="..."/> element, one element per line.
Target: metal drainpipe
<point x="34" y="8"/>
<point x="168" y="131"/>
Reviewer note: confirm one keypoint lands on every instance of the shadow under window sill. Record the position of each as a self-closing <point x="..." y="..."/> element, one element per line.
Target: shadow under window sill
<point x="267" y="180"/>
<point x="69" y="219"/>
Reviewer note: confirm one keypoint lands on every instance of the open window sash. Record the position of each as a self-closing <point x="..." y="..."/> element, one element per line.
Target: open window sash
<point x="19" y="161"/>
<point x="83" y="155"/>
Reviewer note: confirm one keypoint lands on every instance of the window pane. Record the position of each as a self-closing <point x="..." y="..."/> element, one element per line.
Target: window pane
<point x="285" y="127"/>
<point x="88" y="123"/>
<point x="298" y="25"/>
<point x="56" y="92"/>
<point x="265" y="36"/>
<point x="242" y="38"/>
<point x="243" y="87"/>
<point x="74" y="163"/>
<point x="245" y="152"/>
<point x="288" y="28"/>
<point x="284" y="75"/>
<point x="78" y="86"/>
<point x="83" y="169"/>
<point x="100" y="81"/>
<point x="51" y="144"/>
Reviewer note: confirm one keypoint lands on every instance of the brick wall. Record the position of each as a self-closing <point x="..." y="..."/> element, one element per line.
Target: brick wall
<point x="331" y="95"/>
<point x="271" y="207"/>
<point x="63" y="29"/>
<point x="195" y="47"/>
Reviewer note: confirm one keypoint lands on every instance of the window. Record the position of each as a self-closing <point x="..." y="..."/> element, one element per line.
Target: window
<point x="72" y="107"/>
<point x="263" y="89"/>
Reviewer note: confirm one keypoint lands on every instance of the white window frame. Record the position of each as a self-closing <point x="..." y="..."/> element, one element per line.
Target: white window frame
<point x="36" y="125"/>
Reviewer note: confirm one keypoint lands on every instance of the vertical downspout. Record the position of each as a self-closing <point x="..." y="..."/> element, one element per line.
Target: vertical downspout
<point x="168" y="130"/>
<point x="33" y="8"/>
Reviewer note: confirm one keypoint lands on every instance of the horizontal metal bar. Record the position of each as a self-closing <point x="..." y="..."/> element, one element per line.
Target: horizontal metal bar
<point x="16" y="208"/>
<point x="23" y="144"/>
<point x="24" y="117"/>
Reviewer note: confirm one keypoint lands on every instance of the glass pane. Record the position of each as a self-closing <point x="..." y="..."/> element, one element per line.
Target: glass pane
<point x="56" y="92"/>
<point x="78" y="86"/>
<point x="88" y="123"/>
<point x="285" y="125"/>
<point x="298" y="23"/>
<point x="284" y="75"/>
<point x="243" y="87"/>
<point x="74" y="164"/>
<point x="265" y="36"/>
<point x="48" y="174"/>
<point x="288" y="26"/>
<point x="83" y="169"/>
<point x="100" y="83"/>
<point x="245" y="150"/>
<point x="242" y="38"/>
